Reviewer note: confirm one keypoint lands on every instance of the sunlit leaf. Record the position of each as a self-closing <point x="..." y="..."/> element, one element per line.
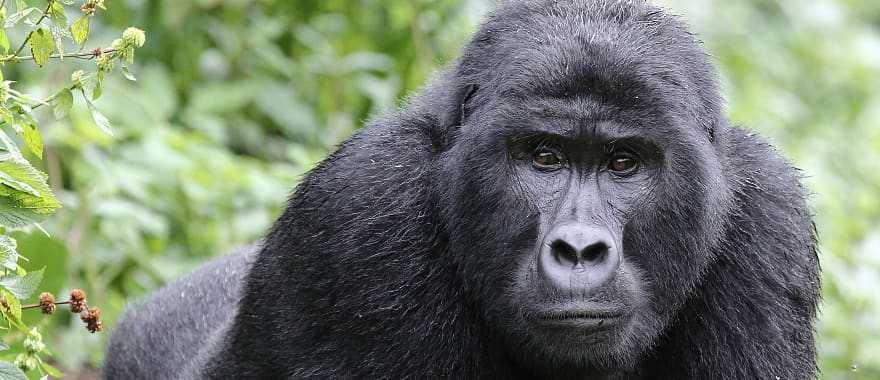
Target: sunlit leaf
<point x="25" y="197"/>
<point x="80" y="30"/>
<point x="56" y="14"/>
<point x="32" y="139"/>
<point x="4" y="41"/>
<point x="11" y="310"/>
<point x="42" y="45"/>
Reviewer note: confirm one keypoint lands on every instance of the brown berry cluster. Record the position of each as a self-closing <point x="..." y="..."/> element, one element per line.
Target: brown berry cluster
<point x="90" y="316"/>
<point x="89" y="7"/>
<point x="47" y="303"/>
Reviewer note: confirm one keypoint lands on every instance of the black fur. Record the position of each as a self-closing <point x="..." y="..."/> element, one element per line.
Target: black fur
<point x="410" y="251"/>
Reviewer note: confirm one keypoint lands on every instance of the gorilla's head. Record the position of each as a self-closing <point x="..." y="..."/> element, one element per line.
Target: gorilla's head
<point x="583" y="177"/>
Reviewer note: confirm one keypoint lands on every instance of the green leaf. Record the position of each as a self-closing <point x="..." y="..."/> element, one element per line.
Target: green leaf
<point x="25" y="197"/>
<point x="8" y="252"/>
<point x="80" y="30"/>
<point x="100" y="120"/>
<point x="63" y="103"/>
<point x="13" y="174"/>
<point x="56" y="14"/>
<point x="9" y="371"/>
<point x="13" y="312"/>
<point x="22" y="286"/>
<point x="50" y="370"/>
<point x="4" y="41"/>
<point x="127" y="74"/>
<point x="32" y="139"/>
<point x="18" y="16"/>
<point x="99" y="85"/>
<point x="42" y="45"/>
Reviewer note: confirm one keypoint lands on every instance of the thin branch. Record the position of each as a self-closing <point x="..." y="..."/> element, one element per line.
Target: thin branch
<point x="36" y="305"/>
<point x="51" y="98"/>
<point x="85" y="56"/>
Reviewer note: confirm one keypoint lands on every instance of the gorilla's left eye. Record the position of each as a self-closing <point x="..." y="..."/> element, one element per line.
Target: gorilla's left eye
<point x="622" y="164"/>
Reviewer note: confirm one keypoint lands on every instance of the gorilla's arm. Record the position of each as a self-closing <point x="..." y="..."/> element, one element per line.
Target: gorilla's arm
<point x="169" y="335"/>
<point x="751" y="317"/>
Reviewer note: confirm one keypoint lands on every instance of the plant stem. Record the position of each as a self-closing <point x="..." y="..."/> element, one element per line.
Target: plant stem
<point x="88" y="55"/>
<point x="36" y="305"/>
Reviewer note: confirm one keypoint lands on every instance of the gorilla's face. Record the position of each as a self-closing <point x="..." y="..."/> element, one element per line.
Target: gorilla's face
<point x="580" y="180"/>
<point x="576" y="221"/>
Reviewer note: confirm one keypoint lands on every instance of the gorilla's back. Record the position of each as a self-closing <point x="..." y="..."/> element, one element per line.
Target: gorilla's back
<point x="171" y="333"/>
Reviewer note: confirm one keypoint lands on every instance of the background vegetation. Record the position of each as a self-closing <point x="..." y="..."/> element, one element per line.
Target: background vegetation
<point x="237" y="98"/>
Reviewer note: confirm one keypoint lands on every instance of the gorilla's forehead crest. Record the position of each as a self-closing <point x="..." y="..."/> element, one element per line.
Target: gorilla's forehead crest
<point x="615" y="51"/>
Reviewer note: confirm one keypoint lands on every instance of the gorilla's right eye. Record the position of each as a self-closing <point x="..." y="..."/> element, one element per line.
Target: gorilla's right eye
<point x="546" y="158"/>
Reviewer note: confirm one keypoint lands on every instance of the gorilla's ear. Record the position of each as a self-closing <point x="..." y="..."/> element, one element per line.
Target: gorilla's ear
<point x="464" y="96"/>
<point x="457" y="111"/>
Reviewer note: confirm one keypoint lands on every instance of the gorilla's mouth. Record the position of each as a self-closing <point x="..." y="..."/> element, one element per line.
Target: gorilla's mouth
<point x="581" y="317"/>
<point x="580" y="314"/>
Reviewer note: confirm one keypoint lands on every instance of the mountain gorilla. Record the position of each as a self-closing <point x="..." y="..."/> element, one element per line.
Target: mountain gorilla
<point x="566" y="201"/>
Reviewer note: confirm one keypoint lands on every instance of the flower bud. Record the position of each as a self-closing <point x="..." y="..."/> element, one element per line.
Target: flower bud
<point x="134" y="37"/>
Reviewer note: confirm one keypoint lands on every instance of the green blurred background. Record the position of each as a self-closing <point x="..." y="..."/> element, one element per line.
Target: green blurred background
<point x="236" y="99"/>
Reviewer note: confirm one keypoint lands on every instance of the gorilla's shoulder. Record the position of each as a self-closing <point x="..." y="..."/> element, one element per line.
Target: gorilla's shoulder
<point x="178" y="324"/>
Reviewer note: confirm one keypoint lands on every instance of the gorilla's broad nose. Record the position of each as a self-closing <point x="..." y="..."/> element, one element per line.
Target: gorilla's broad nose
<point x="579" y="257"/>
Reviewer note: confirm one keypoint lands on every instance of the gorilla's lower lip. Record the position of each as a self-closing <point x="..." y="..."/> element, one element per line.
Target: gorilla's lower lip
<point x="579" y="315"/>
<point x="581" y="320"/>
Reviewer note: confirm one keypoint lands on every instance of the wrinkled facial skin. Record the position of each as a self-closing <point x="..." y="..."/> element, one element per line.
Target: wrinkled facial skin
<point x="554" y="258"/>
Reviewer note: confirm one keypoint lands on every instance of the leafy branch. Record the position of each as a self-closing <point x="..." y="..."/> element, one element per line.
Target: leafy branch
<point x="42" y="17"/>
<point x="26" y="198"/>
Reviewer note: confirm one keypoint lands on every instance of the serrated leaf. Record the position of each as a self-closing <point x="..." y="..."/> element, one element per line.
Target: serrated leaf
<point x="42" y="44"/>
<point x="10" y="174"/>
<point x="16" y="17"/>
<point x="25" y="197"/>
<point x="127" y="74"/>
<point x="63" y="102"/>
<point x="80" y="30"/>
<point x="100" y="120"/>
<point x="22" y="286"/>
<point x="12" y="311"/>
<point x="9" y="371"/>
<point x="56" y="14"/>
<point x="8" y="252"/>
<point x="32" y="139"/>
<point x="50" y="370"/>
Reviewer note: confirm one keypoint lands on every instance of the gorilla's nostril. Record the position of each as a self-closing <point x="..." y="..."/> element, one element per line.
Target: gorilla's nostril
<point x="594" y="253"/>
<point x="563" y="252"/>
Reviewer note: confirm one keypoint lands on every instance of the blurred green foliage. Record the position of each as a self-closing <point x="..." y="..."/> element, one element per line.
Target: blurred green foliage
<point x="237" y="98"/>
